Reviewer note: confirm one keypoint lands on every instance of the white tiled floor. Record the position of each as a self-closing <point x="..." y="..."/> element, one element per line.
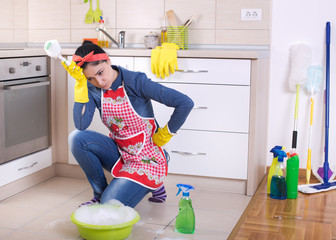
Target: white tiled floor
<point x="43" y="212"/>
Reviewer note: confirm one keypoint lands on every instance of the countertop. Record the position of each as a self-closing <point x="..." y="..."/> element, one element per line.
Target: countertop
<point x="142" y="52"/>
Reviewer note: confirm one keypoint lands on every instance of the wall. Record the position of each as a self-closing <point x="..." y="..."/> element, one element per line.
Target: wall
<point x="293" y="22"/>
<point x="219" y="20"/>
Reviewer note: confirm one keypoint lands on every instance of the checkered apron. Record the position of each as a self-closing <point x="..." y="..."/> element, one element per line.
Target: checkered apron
<point x="141" y="160"/>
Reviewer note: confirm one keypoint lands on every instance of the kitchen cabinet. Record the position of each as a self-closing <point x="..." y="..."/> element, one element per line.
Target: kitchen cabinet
<point x="96" y="125"/>
<point x="24" y="166"/>
<point x="213" y="141"/>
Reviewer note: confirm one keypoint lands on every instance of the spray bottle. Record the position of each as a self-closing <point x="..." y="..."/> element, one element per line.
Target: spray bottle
<point x="185" y="220"/>
<point x="271" y="170"/>
<point x="292" y="176"/>
<point x="278" y="182"/>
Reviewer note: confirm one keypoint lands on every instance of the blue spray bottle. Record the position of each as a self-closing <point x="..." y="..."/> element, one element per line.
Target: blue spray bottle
<point x="185" y="220"/>
<point x="278" y="182"/>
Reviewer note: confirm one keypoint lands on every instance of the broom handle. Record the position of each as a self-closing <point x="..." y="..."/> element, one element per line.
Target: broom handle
<point x="326" y="163"/>
<point x="296" y="113"/>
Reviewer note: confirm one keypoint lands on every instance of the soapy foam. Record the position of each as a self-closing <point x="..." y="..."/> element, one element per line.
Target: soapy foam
<point x="110" y="213"/>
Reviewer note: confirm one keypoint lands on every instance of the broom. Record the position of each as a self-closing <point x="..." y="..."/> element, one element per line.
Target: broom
<point x="300" y="55"/>
<point x="326" y="185"/>
<point x="313" y="85"/>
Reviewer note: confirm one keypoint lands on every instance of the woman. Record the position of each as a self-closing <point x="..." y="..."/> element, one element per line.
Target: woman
<point x="133" y="152"/>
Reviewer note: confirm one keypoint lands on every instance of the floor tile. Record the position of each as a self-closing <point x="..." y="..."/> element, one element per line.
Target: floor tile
<point x="20" y="235"/>
<point x="4" y="232"/>
<point x="220" y="201"/>
<point x="144" y="231"/>
<point x="37" y="199"/>
<point x="54" y="223"/>
<point x="15" y="217"/>
<point x="170" y="234"/>
<point x="221" y="221"/>
<point x="62" y="184"/>
<point x="156" y="213"/>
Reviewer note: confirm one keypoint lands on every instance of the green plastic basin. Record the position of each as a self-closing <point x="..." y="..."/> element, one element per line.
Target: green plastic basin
<point x="104" y="232"/>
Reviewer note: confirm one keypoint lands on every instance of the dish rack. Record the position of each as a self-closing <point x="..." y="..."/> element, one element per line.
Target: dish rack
<point x="178" y="35"/>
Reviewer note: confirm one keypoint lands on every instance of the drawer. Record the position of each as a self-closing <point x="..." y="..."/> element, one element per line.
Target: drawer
<point x="218" y="71"/>
<point x="24" y="166"/>
<point x="216" y="108"/>
<point x="210" y="154"/>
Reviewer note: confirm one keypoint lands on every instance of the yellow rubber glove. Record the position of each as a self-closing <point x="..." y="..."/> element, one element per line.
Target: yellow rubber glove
<point x="168" y="59"/>
<point x="162" y="136"/>
<point x="155" y="58"/>
<point x="81" y="90"/>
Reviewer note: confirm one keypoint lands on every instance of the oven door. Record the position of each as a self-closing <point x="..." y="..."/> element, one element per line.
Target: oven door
<point x="25" y="126"/>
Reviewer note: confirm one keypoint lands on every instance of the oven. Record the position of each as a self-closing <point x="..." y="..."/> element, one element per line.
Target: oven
<point x="24" y="106"/>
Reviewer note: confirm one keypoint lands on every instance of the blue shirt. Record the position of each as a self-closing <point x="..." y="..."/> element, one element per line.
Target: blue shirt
<point x="141" y="91"/>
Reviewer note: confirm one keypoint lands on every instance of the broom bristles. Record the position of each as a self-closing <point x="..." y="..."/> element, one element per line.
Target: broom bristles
<point x="300" y="55"/>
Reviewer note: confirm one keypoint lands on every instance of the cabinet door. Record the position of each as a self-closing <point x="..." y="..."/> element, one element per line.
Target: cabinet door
<point x="216" y="108"/>
<point x="202" y="70"/>
<point x="214" y="154"/>
<point x="96" y="125"/>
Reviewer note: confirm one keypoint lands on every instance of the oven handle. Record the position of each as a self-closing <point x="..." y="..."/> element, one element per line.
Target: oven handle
<point x="29" y="85"/>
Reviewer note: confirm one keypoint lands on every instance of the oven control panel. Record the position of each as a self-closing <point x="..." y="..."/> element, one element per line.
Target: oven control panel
<point x="27" y="67"/>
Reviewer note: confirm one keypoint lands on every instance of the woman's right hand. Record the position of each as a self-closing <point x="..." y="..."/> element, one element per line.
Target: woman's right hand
<point x="81" y="89"/>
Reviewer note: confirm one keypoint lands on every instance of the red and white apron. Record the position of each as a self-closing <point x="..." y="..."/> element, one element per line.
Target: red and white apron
<point x="141" y="160"/>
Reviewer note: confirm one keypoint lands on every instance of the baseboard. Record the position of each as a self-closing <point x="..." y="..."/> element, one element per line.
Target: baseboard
<point x="24" y="183"/>
<point x="201" y="183"/>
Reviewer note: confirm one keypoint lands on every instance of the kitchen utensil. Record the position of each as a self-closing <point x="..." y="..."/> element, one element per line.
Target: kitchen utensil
<point x="151" y="40"/>
<point x="89" y="14"/>
<point x="171" y="17"/>
<point x="97" y="13"/>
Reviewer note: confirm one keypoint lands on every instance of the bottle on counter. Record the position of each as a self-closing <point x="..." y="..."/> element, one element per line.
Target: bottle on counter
<point x="278" y="182"/>
<point x="102" y="39"/>
<point x="185" y="220"/>
<point x="164" y="35"/>
<point x="292" y="176"/>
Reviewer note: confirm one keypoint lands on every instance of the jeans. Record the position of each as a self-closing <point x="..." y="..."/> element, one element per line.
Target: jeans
<point x="94" y="152"/>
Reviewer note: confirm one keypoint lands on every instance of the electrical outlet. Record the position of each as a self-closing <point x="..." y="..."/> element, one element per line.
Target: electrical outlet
<point x="251" y="14"/>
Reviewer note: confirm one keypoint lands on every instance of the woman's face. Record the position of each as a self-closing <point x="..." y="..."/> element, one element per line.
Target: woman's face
<point x="101" y="75"/>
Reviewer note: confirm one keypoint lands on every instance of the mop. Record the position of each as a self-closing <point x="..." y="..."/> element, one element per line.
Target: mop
<point x="313" y="85"/>
<point x="326" y="185"/>
<point x="300" y="61"/>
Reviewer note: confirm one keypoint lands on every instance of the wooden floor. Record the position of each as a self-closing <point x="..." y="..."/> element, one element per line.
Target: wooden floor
<point x="307" y="217"/>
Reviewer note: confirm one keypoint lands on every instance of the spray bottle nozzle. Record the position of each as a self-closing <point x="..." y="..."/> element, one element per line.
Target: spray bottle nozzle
<point x="185" y="188"/>
<point x="273" y="150"/>
<point x="280" y="154"/>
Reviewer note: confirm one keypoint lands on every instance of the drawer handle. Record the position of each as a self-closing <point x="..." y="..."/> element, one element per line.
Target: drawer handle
<point x="191" y="71"/>
<point x="200" y="108"/>
<point x="30" y="166"/>
<point x="188" y="153"/>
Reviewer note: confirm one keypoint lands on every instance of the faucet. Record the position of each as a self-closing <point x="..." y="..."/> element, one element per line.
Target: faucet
<point x="121" y="37"/>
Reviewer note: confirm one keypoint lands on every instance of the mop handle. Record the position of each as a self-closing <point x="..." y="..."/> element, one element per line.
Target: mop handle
<point x="326" y="163"/>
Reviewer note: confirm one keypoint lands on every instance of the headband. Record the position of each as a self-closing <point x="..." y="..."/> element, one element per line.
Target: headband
<point x="89" y="58"/>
